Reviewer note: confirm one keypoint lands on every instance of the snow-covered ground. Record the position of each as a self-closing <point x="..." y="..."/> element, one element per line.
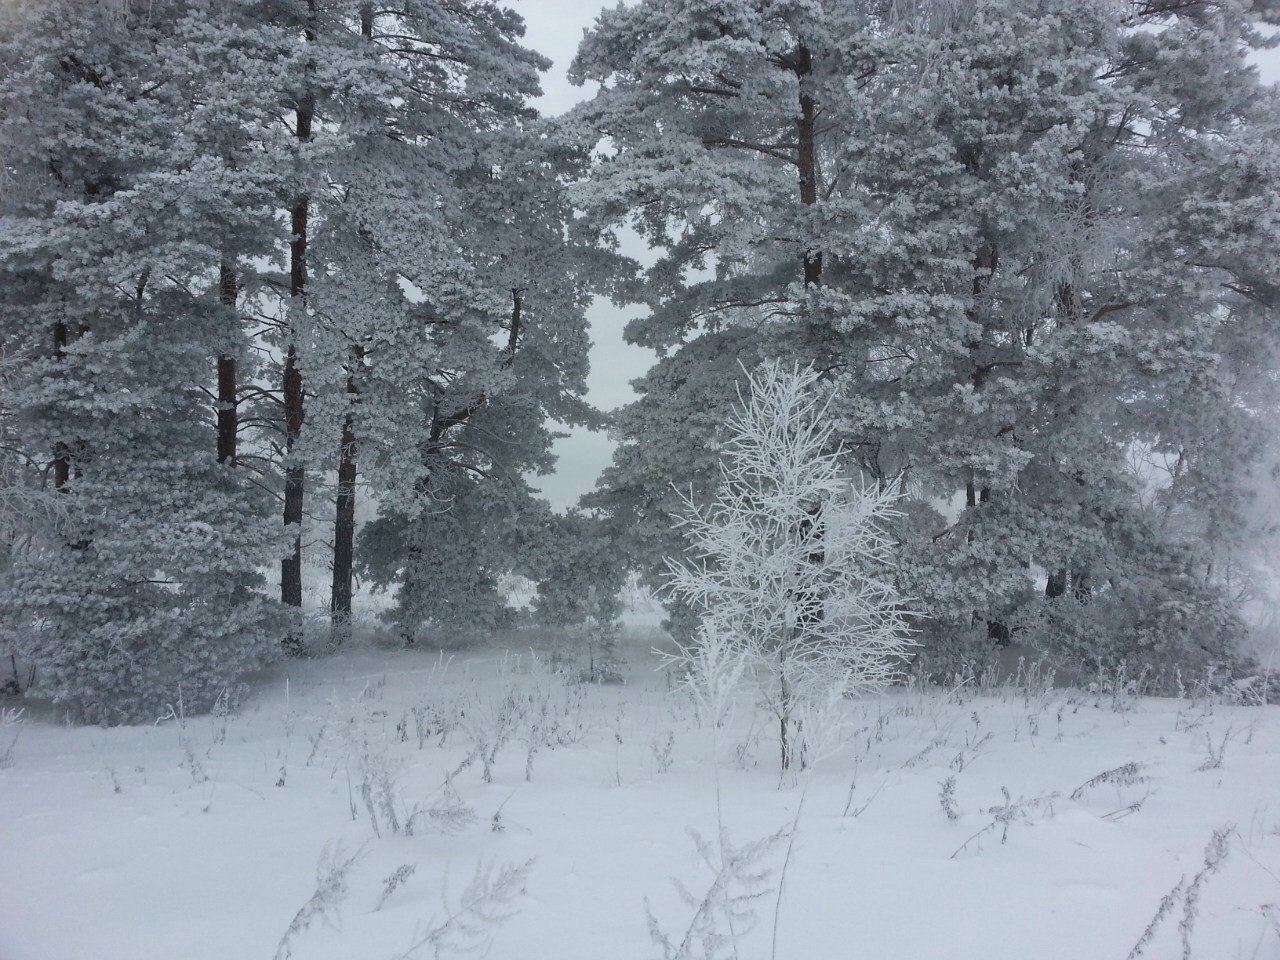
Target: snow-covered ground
<point x="199" y="838"/>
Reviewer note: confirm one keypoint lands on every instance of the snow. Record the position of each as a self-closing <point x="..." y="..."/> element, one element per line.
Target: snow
<point x="198" y="838"/>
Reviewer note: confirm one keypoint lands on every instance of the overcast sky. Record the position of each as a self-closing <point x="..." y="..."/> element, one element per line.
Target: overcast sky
<point x="554" y="28"/>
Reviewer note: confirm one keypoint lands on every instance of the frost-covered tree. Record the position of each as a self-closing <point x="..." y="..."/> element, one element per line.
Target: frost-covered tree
<point x="988" y="223"/>
<point x="578" y="571"/>
<point x="445" y="303"/>
<point x="498" y="349"/>
<point x="241" y="238"/>
<point x="112" y="232"/>
<point x="789" y="565"/>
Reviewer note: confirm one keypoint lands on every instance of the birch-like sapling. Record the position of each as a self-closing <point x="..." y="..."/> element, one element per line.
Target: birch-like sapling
<point x="790" y="563"/>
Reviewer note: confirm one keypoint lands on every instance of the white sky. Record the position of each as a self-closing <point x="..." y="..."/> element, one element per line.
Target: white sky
<point x="554" y="28"/>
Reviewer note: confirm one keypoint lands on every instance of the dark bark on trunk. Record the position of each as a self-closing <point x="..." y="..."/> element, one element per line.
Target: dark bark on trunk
<point x="295" y="474"/>
<point x="1057" y="584"/>
<point x="61" y="453"/>
<point x="344" y="525"/>
<point x="65" y="455"/>
<point x="807" y="157"/>
<point x="998" y="632"/>
<point x="294" y="483"/>
<point x="344" y="530"/>
<point x="344" y="521"/>
<point x="227" y="414"/>
<point x="809" y="605"/>
<point x="1081" y="585"/>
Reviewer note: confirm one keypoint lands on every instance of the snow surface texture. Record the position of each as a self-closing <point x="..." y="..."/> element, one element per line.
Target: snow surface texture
<point x="993" y="821"/>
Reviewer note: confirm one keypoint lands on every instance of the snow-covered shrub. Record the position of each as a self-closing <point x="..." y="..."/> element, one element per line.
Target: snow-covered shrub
<point x="466" y="928"/>
<point x="332" y="878"/>
<point x="10" y="729"/>
<point x="1155" y="614"/>
<point x="727" y="910"/>
<point x="789" y="564"/>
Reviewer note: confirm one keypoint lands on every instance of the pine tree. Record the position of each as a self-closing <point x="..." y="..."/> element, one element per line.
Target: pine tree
<point x="990" y="268"/>
<point x="224" y="217"/>
<point x="149" y="592"/>
<point x="402" y="270"/>
<point x="500" y="349"/>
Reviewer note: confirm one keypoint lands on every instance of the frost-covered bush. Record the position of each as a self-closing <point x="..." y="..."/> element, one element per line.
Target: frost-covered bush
<point x="578" y="570"/>
<point x="789" y="564"/>
<point x="151" y="604"/>
<point x="149" y="588"/>
<point x="1157" y="615"/>
<point x="446" y="564"/>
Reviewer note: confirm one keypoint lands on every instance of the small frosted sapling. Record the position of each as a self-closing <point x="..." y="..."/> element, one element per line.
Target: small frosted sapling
<point x="789" y="566"/>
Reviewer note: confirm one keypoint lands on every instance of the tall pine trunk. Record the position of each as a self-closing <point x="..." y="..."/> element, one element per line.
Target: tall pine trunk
<point x="344" y="521"/>
<point x="227" y="414"/>
<point x="295" y="474"/>
<point x="344" y="526"/>
<point x="807" y="156"/>
<point x="806" y="605"/>
<point x="61" y="452"/>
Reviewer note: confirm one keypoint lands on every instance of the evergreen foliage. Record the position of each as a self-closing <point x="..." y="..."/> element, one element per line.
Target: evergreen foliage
<point x="243" y="244"/>
<point x="263" y="261"/>
<point x="1024" y="242"/>
<point x="149" y="592"/>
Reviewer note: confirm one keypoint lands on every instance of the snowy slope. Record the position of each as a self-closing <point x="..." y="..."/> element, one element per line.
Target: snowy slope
<point x="199" y="838"/>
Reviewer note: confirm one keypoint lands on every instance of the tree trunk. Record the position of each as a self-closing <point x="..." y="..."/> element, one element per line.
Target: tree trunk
<point x="809" y="605"/>
<point x="344" y="525"/>
<point x="1057" y="584"/>
<point x="785" y="696"/>
<point x="66" y="467"/>
<point x="294" y="474"/>
<point x="784" y="714"/>
<point x="227" y="417"/>
<point x="344" y="521"/>
<point x="1081" y="585"/>
<point x="61" y="452"/>
<point x="294" y="487"/>
<point x="807" y="157"/>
